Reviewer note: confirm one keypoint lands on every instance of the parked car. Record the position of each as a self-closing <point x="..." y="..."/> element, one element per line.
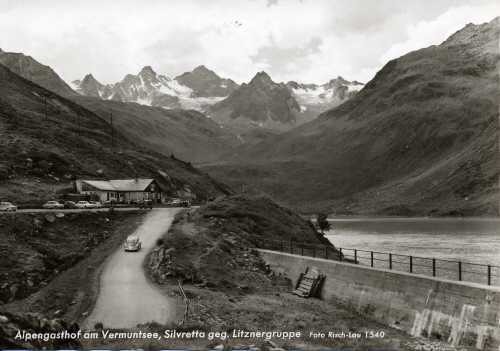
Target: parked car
<point x="53" y="205"/>
<point x="69" y="204"/>
<point x="145" y="204"/>
<point x="132" y="243"/>
<point x="174" y="202"/>
<point x="7" y="207"/>
<point x="96" y="204"/>
<point x="184" y="203"/>
<point x="84" y="204"/>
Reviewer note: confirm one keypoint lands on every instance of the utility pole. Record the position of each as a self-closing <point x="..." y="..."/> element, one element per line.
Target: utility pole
<point x="78" y="108"/>
<point x="112" y="136"/>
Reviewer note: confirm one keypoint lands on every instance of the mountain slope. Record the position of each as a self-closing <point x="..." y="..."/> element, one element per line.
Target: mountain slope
<point x="261" y="102"/>
<point x="27" y="67"/>
<point x="187" y="134"/>
<point x="42" y="155"/>
<point x="420" y="139"/>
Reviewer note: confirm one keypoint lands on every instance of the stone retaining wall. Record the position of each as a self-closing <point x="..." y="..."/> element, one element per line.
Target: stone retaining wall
<point x="465" y="314"/>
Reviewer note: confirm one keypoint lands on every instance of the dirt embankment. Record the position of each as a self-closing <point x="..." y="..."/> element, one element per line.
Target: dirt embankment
<point x="52" y="264"/>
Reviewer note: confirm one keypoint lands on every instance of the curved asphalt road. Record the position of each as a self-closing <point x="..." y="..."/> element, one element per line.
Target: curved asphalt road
<point x="126" y="299"/>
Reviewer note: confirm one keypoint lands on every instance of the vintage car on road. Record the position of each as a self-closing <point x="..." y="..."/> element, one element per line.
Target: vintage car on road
<point x="53" y="205"/>
<point x="7" y="207"/>
<point x="84" y="204"/>
<point x="132" y="243"/>
<point x="95" y="204"/>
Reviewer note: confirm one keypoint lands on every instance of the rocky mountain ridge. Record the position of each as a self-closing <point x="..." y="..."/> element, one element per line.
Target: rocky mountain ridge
<point x="264" y="103"/>
<point x="261" y="102"/>
<point x="29" y="68"/>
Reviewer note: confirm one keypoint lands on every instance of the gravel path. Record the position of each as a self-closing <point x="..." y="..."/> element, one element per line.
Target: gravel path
<point x="126" y="298"/>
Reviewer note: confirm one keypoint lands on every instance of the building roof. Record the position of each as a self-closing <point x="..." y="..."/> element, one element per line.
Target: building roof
<point x="131" y="184"/>
<point x="100" y="184"/>
<point x="120" y="184"/>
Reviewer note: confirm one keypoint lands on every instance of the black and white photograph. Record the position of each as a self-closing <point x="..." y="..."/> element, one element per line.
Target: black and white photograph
<point x="249" y="175"/>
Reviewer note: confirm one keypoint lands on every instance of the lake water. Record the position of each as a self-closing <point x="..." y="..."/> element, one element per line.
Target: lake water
<point x="468" y="240"/>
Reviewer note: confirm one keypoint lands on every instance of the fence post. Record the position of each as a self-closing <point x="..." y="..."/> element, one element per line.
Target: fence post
<point x="281" y="245"/>
<point x="340" y="254"/>
<point x="433" y="267"/>
<point x="326" y="252"/>
<point x="314" y="250"/>
<point x="489" y="275"/>
<point x="355" y="256"/>
<point x="390" y="261"/>
<point x="263" y="243"/>
<point x="411" y="264"/>
<point x="291" y="247"/>
<point x="459" y="270"/>
<point x="371" y="257"/>
<point x="301" y="249"/>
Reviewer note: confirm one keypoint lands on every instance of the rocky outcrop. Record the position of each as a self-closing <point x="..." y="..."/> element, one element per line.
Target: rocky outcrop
<point x="17" y="332"/>
<point x="162" y="266"/>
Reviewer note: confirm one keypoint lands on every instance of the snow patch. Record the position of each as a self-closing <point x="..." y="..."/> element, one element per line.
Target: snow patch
<point x="143" y="101"/>
<point x="179" y="88"/>
<point x="356" y="87"/>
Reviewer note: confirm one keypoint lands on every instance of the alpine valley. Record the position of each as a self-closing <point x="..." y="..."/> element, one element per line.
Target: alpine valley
<point x="419" y="139"/>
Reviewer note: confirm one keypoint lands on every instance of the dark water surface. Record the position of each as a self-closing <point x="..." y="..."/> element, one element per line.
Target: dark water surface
<point x="467" y="240"/>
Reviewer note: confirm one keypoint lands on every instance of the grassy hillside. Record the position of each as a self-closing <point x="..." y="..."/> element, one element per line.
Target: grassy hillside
<point x="420" y="139"/>
<point x="41" y="156"/>
<point x="213" y="244"/>
<point x="187" y="134"/>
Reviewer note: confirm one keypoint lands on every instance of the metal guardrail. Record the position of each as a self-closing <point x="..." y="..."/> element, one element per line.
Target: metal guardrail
<point x="454" y="270"/>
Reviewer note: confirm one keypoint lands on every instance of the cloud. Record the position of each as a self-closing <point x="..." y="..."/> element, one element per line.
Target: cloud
<point x="307" y="41"/>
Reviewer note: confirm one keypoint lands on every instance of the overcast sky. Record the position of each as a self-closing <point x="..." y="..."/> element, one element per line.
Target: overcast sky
<point x="309" y="41"/>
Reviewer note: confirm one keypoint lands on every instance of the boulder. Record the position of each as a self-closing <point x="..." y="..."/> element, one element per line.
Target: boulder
<point x="50" y="218"/>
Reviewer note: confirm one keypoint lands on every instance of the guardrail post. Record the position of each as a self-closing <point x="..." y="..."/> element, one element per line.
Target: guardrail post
<point x="340" y="254"/>
<point x="390" y="261"/>
<point x="489" y="275"/>
<point x="433" y="267"/>
<point x="411" y="264"/>
<point x="326" y="252"/>
<point x="460" y="271"/>
<point x="371" y="254"/>
<point x="314" y="250"/>
<point x="301" y="249"/>
<point x="355" y="256"/>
